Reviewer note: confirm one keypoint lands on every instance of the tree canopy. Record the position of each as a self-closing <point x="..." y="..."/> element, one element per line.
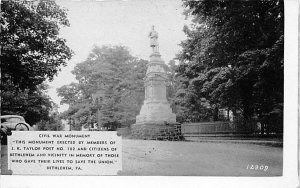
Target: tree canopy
<point x="32" y="52"/>
<point x="110" y="88"/>
<point x="233" y="58"/>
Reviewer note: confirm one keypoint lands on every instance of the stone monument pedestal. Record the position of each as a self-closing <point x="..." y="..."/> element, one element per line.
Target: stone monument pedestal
<point x="148" y="131"/>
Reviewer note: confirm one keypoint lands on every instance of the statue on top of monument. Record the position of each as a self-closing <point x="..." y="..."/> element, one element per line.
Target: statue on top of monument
<point x="153" y="40"/>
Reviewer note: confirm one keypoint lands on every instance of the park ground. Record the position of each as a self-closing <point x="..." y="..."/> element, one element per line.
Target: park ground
<point x="170" y="158"/>
<point x="144" y="157"/>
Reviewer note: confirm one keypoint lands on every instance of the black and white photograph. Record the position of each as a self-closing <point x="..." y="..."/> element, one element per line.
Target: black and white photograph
<point x="147" y="88"/>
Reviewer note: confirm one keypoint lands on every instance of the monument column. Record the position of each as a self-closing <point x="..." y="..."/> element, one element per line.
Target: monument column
<point x="156" y="108"/>
<point x="155" y="113"/>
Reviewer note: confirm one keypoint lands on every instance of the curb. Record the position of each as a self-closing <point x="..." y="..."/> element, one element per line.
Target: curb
<point x="258" y="142"/>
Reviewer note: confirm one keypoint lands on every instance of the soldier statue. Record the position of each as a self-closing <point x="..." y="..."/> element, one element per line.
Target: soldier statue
<point x="153" y="40"/>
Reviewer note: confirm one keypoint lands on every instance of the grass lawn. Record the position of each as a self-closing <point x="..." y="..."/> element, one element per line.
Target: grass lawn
<point x="149" y="157"/>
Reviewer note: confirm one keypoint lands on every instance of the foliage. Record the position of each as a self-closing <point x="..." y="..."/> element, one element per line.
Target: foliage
<point x="33" y="106"/>
<point x="31" y="53"/>
<point x="233" y="57"/>
<point x="182" y="98"/>
<point x="53" y="123"/>
<point x="32" y="50"/>
<point x="110" y="87"/>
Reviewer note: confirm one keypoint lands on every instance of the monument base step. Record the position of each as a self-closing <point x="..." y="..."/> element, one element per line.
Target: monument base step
<point x="150" y="131"/>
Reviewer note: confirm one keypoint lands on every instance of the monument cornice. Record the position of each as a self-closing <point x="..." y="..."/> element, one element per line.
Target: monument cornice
<point x="160" y="78"/>
<point x="157" y="63"/>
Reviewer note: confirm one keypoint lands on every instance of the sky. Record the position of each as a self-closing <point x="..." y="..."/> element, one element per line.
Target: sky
<point x="118" y="22"/>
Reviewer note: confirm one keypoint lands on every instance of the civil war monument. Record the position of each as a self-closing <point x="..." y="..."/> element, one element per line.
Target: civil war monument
<point x="156" y="119"/>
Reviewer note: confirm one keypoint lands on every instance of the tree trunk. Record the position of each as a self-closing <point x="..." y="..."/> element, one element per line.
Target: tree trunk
<point x="216" y="114"/>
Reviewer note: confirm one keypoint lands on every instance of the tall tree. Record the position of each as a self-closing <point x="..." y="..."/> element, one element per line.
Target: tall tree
<point x="31" y="53"/>
<point x="110" y="84"/>
<point x="233" y="56"/>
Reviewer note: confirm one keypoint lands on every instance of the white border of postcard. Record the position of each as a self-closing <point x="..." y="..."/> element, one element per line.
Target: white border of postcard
<point x="290" y="148"/>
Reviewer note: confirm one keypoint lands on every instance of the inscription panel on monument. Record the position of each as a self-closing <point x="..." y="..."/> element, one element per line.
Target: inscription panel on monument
<point x="64" y="153"/>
